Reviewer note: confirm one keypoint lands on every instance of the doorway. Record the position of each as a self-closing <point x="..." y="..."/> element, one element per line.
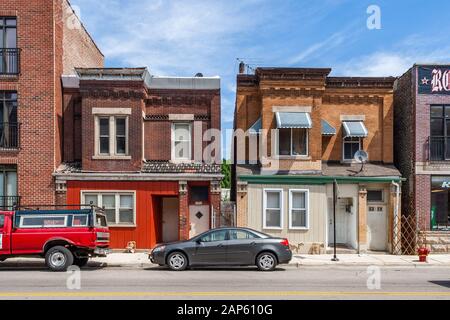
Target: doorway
<point x="377" y="228"/>
<point x="170" y="220"/>
<point x="199" y="216"/>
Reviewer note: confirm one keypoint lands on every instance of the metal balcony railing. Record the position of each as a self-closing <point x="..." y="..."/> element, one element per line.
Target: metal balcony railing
<point x="9" y="202"/>
<point x="9" y="61"/>
<point x="9" y="135"/>
<point x="439" y="148"/>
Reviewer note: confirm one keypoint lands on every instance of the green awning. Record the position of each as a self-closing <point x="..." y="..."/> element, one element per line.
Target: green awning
<point x="256" y="127"/>
<point x="327" y="129"/>
<point x="355" y="129"/>
<point x="295" y="120"/>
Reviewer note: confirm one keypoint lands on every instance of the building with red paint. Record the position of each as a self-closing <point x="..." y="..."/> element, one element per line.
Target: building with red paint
<point x="145" y="148"/>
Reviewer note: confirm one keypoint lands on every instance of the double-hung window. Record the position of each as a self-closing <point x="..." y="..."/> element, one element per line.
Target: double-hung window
<point x="273" y="209"/>
<point x="181" y="142"/>
<point x="293" y="142"/>
<point x="119" y="206"/>
<point x="351" y="146"/>
<point x="112" y="136"/>
<point x="298" y="209"/>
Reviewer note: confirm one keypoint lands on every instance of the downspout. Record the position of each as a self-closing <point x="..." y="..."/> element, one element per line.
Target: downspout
<point x="396" y="213"/>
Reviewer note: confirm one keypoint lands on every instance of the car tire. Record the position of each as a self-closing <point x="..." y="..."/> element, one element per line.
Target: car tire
<point x="177" y="261"/>
<point x="266" y="261"/>
<point x="80" y="262"/>
<point x="59" y="258"/>
<point x="2" y="259"/>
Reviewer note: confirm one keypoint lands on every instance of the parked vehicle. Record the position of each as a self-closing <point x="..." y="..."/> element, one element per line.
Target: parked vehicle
<point x="62" y="237"/>
<point x="224" y="247"/>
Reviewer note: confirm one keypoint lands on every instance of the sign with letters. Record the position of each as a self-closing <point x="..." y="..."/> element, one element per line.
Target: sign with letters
<point x="434" y="79"/>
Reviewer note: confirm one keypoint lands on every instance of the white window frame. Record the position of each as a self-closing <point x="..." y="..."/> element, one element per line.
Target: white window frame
<point x="112" y="136"/>
<point x="173" y="156"/>
<point x="344" y="142"/>
<point x="382" y="196"/>
<point x="281" y="192"/>
<point x="21" y="226"/>
<point x="117" y="194"/>
<point x="291" y="144"/>
<point x="291" y="196"/>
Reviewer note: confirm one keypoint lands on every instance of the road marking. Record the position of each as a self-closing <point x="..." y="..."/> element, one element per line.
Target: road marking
<point x="215" y="294"/>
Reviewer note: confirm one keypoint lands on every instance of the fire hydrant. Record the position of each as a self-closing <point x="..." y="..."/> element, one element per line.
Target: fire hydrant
<point x="423" y="254"/>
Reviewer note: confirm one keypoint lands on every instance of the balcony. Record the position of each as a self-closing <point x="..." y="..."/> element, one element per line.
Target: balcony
<point x="9" y="61"/>
<point x="439" y="148"/>
<point x="9" y="136"/>
<point x="9" y="202"/>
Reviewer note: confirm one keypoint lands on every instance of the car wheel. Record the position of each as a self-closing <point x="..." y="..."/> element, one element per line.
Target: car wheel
<point x="177" y="261"/>
<point x="80" y="262"/>
<point x="59" y="259"/>
<point x="266" y="261"/>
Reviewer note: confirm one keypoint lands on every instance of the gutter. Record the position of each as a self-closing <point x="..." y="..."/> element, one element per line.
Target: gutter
<point x="134" y="177"/>
<point x="316" y="179"/>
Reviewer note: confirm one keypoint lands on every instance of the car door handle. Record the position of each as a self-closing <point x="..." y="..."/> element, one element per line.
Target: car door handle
<point x="220" y="245"/>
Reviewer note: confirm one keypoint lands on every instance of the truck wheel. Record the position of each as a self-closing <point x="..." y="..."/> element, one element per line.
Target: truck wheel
<point x="2" y="259"/>
<point x="80" y="262"/>
<point x="59" y="258"/>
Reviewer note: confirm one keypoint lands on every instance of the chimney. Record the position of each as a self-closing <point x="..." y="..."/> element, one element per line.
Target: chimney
<point x="242" y="67"/>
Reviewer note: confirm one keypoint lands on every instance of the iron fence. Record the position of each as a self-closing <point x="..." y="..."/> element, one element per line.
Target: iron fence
<point x="9" y="61"/>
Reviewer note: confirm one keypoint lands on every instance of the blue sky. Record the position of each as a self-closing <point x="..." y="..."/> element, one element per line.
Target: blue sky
<point x="183" y="37"/>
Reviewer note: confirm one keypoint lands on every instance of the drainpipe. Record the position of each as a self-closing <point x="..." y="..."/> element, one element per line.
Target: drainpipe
<point x="396" y="217"/>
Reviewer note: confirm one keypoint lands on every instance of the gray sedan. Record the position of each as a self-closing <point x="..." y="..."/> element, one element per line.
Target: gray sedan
<point x="224" y="247"/>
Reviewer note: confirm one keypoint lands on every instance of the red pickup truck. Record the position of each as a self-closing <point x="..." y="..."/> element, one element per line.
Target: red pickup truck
<point x="62" y="237"/>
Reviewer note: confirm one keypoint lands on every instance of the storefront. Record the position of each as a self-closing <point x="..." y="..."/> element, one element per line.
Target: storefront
<point x="440" y="203"/>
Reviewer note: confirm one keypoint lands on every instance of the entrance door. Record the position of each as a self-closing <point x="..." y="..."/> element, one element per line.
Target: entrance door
<point x="169" y="220"/>
<point x="341" y="223"/>
<point x="377" y="228"/>
<point x="199" y="219"/>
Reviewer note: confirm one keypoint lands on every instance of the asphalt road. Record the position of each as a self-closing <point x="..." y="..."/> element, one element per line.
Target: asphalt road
<point x="237" y="284"/>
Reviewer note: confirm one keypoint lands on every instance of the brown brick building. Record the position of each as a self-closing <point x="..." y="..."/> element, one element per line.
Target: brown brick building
<point x="300" y="132"/>
<point x="40" y="41"/>
<point x="422" y="153"/>
<point x="138" y="145"/>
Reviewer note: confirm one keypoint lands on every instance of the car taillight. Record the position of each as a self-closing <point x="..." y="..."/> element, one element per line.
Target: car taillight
<point x="102" y="236"/>
<point x="285" y="242"/>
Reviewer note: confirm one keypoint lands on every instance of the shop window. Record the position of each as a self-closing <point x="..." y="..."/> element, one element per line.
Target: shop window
<point x="440" y="203"/>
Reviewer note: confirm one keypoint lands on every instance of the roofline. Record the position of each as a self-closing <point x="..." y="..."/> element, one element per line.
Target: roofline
<point x="296" y="180"/>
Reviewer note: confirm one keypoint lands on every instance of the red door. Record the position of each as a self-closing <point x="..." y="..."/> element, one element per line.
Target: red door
<point x="5" y="234"/>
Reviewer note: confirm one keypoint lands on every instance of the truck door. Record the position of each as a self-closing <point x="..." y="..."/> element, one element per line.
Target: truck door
<point x="5" y="235"/>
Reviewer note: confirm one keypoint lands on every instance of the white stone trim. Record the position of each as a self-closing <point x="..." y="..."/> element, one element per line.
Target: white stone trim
<point x="111" y="111"/>
<point x="305" y="109"/>
<point x="181" y="117"/>
<point x="353" y="118"/>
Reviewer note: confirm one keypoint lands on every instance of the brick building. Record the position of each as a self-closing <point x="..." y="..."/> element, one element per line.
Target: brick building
<point x="422" y="153"/>
<point x="300" y="132"/>
<point x="39" y="41"/>
<point x="139" y="145"/>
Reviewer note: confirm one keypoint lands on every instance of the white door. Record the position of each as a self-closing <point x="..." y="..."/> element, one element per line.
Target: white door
<point x="199" y="219"/>
<point x="377" y="228"/>
<point x="170" y="219"/>
<point x="341" y="223"/>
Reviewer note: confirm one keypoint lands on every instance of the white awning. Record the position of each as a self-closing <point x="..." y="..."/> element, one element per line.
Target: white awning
<point x="296" y="120"/>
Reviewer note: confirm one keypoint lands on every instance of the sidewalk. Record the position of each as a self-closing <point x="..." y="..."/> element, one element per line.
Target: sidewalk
<point x="140" y="260"/>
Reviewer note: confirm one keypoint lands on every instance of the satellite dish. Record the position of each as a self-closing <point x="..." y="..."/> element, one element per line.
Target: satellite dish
<point x="361" y="156"/>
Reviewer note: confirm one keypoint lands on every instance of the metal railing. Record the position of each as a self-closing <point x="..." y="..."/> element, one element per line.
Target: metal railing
<point x="9" y="202"/>
<point x="438" y="148"/>
<point x="9" y="135"/>
<point x="9" y="61"/>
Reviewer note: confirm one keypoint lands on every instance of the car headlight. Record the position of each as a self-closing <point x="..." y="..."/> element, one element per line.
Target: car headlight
<point x="159" y="249"/>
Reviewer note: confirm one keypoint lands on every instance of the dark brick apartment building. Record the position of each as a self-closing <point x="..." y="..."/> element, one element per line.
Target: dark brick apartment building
<point x="39" y="41"/>
<point x="422" y="150"/>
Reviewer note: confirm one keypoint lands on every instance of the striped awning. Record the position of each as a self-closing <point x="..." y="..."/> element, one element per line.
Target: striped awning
<point x="288" y="120"/>
<point x="328" y="129"/>
<point x="256" y="127"/>
<point x="355" y="129"/>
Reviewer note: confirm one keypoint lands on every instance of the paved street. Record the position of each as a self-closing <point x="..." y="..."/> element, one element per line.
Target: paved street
<point x="288" y="282"/>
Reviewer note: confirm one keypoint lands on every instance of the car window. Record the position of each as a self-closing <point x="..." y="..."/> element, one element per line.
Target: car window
<point x="241" y="235"/>
<point x="214" y="236"/>
<point x="2" y="221"/>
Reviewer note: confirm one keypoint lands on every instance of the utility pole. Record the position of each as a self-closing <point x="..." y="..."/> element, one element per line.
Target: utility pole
<point x="334" y="220"/>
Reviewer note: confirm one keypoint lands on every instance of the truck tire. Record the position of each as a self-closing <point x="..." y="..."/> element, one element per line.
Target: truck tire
<point x="80" y="262"/>
<point x="2" y="259"/>
<point x="58" y="258"/>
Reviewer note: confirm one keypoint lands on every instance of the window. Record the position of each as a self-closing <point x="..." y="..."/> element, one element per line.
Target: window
<point x="375" y="196"/>
<point x="199" y="194"/>
<point x="80" y="220"/>
<point x="440" y="203"/>
<point x="34" y="221"/>
<point x="9" y="54"/>
<point x="439" y="133"/>
<point x="9" y="129"/>
<point x="298" y="209"/>
<point x="119" y="206"/>
<point x="8" y="187"/>
<point x="351" y="146"/>
<point x="112" y="136"/>
<point x="293" y="142"/>
<point x="181" y="141"/>
<point x="2" y="221"/>
<point x="273" y="208"/>
<point x="241" y="235"/>
<point x="215" y="236"/>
